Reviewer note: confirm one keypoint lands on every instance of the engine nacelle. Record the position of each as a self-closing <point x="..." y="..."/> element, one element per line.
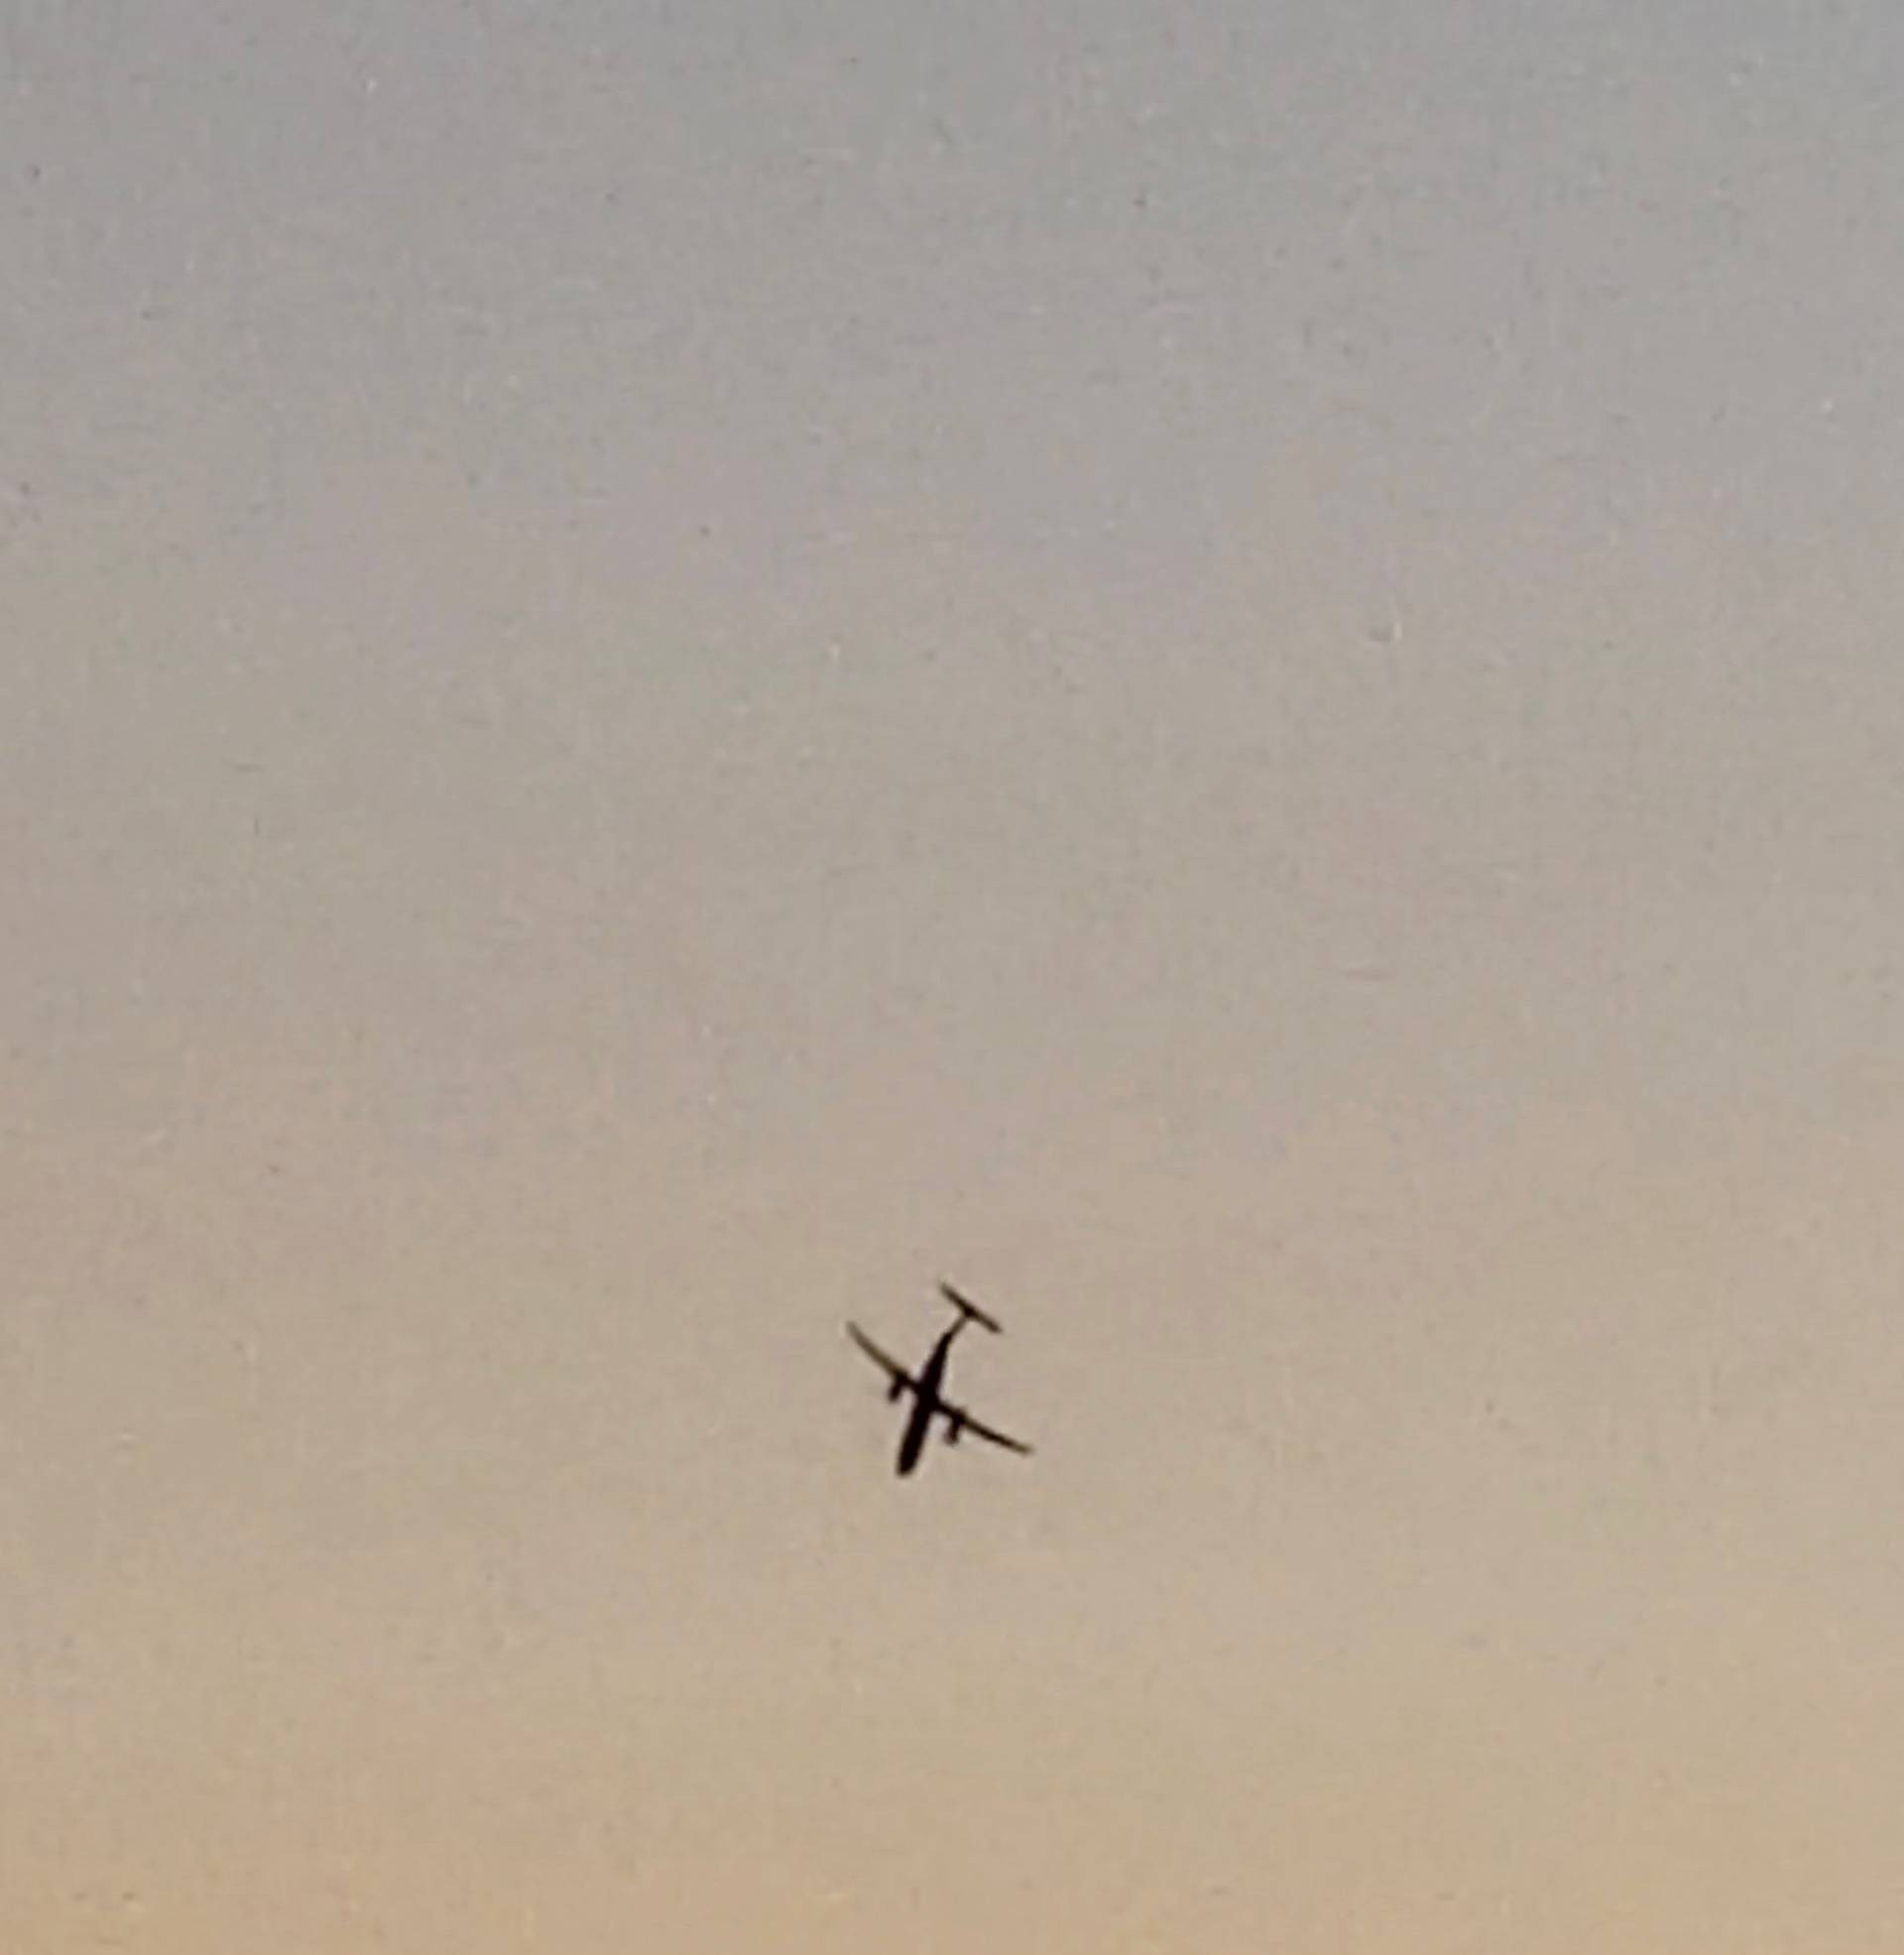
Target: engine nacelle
<point x="894" y="1390"/>
<point x="954" y="1427"/>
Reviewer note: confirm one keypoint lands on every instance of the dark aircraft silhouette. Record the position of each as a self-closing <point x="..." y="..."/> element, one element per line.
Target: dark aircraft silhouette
<point x="927" y="1400"/>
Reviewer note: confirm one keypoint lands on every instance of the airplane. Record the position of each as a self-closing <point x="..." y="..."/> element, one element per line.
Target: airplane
<point x="927" y="1400"/>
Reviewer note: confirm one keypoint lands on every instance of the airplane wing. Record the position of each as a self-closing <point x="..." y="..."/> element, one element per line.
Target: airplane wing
<point x="893" y="1370"/>
<point x="965" y="1422"/>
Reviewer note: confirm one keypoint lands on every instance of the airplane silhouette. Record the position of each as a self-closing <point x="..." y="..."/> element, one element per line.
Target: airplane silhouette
<point x="926" y="1402"/>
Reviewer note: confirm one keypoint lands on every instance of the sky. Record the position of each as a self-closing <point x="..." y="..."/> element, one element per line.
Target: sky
<point x="1228" y="672"/>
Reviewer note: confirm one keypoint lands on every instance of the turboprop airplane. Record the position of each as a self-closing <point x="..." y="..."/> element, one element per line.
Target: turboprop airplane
<point x="926" y="1400"/>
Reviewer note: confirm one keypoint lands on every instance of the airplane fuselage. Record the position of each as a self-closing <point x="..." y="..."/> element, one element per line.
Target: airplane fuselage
<point x="925" y="1402"/>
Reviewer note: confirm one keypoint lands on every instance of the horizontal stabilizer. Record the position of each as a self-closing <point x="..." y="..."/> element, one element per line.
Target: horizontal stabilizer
<point x="967" y="1308"/>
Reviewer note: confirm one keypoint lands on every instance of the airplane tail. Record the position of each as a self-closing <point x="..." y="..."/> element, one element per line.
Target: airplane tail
<point x="967" y="1308"/>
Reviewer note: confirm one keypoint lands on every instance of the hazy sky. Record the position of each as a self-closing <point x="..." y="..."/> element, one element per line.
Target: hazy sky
<point x="1229" y="671"/>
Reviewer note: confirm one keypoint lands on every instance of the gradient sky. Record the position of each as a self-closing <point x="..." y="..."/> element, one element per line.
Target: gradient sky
<point x="1229" y="671"/>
